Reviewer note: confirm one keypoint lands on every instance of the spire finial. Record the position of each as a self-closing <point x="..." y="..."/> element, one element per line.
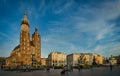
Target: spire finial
<point x="25" y="16"/>
<point x="36" y="29"/>
<point x="25" y="13"/>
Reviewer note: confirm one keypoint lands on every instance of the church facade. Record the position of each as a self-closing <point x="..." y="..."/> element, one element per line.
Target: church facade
<point x="28" y="52"/>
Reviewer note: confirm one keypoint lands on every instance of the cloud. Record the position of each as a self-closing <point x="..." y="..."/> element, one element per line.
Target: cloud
<point x="8" y="43"/>
<point x="9" y="39"/>
<point x="104" y="32"/>
<point x="4" y="35"/>
<point x="108" y="49"/>
<point x="67" y="5"/>
<point x="98" y="25"/>
<point x="31" y="8"/>
<point x="86" y="28"/>
<point x="41" y="5"/>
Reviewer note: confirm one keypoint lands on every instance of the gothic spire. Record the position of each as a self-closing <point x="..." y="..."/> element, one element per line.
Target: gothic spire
<point x="25" y="20"/>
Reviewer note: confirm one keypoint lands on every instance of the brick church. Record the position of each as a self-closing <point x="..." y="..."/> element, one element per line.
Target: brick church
<point x="28" y="52"/>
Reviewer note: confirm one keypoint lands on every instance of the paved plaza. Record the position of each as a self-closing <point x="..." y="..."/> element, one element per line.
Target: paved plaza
<point x="97" y="71"/>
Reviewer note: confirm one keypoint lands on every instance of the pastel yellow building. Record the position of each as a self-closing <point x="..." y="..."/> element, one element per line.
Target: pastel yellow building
<point x="43" y="61"/>
<point x="56" y="59"/>
<point x="99" y="59"/>
<point x="28" y="52"/>
<point x="86" y="58"/>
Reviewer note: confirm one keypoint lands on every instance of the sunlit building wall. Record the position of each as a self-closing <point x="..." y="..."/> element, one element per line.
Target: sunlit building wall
<point x="43" y="61"/>
<point x="76" y="59"/>
<point x="56" y="59"/>
<point x="72" y="59"/>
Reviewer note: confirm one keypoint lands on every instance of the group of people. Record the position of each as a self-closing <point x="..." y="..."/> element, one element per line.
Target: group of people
<point x="80" y="67"/>
<point x="67" y="69"/>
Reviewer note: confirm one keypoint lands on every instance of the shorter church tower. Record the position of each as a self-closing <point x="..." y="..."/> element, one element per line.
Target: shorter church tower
<point x="36" y="41"/>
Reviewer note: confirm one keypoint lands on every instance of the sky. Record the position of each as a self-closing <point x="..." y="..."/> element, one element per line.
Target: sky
<point x="69" y="26"/>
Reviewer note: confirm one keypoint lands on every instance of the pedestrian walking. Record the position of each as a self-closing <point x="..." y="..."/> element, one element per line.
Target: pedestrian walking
<point x="79" y="68"/>
<point x="111" y="67"/>
<point x="63" y="71"/>
<point x="48" y="69"/>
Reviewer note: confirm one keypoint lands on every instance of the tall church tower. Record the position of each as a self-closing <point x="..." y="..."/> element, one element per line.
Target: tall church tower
<point x="27" y="52"/>
<point x="25" y="41"/>
<point x="36" y="40"/>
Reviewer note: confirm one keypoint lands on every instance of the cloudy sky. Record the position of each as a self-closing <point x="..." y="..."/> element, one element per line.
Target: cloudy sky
<point x="69" y="26"/>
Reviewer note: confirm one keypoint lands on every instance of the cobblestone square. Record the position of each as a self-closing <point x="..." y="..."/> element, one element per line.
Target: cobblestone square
<point x="97" y="71"/>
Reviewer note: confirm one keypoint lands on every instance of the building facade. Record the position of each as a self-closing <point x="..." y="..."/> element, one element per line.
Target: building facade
<point x="28" y="52"/>
<point x="115" y="59"/>
<point x="43" y="61"/>
<point x="99" y="59"/>
<point x="2" y="62"/>
<point x="56" y="59"/>
<point x="72" y="59"/>
<point x="76" y="59"/>
<point x="85" y="58"/>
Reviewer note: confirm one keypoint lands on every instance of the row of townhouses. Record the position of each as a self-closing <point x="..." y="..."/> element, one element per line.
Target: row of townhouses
<point x="74" y="59"/>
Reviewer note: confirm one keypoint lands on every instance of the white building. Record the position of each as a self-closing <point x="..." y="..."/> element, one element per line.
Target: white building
<point x="112" y="60"/>
<point x="72" y="59"/>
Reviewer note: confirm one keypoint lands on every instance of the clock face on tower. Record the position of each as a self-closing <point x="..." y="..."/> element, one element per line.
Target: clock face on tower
<point x="24" y="27"/>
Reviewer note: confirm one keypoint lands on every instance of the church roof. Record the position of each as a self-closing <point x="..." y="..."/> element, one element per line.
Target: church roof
<point x="16" y="47"/>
